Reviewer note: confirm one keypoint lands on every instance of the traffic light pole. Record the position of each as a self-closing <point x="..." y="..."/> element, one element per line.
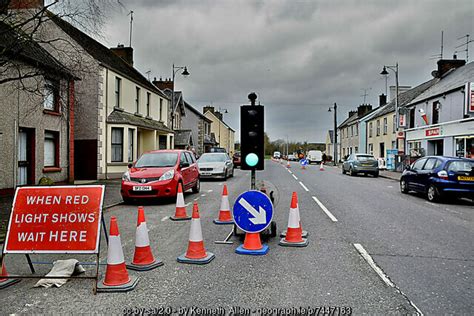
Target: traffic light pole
<point x="252" y="180"/>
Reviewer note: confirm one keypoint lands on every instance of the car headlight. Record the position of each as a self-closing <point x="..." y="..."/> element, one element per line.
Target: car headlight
<point x="126" y="176"/>
<point x="167" y="175"/>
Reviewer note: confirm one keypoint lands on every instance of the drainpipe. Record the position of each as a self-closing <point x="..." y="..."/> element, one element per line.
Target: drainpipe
<point x="105" y="118"/>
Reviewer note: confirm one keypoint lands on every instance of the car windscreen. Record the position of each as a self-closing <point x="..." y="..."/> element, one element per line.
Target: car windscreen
<point x="461" y="166"/>
<point x="157" y="160"/>
<point x="212" y="158"/>
<point x="365" y="158"/>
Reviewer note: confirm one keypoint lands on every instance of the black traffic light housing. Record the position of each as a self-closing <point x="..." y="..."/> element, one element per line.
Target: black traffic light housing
<point x="252" y="135"/>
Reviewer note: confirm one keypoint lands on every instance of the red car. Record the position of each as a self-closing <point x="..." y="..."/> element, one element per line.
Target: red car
<point x="157" y="174"/>
<point x="236" y="159"/>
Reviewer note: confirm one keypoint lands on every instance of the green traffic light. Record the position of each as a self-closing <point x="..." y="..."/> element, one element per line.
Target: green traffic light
<point x="251" y="160"/>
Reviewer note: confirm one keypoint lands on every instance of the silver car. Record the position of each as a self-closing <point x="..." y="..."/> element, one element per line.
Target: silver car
<point x="361" y="163"/>
<point x="215" y="165"/>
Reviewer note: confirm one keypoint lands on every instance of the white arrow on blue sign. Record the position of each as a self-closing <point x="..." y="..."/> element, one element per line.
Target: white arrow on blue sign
<point x="253" y="211"/>
<point x="304" y="162"/>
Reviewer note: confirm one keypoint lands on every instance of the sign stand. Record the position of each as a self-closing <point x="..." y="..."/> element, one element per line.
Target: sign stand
<point x="96" y="251"/>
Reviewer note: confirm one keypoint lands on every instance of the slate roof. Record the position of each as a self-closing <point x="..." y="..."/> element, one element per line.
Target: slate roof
<point x="192" y="109"/>
<point x="454" y="79"/>
<point x="183" y="137"/>
<point x="178" y="99"/>
<point x="21" y="47"/>
<point x="349" y="120"/>
<point x="406" y="97"/>
<point x="331" y="136"/>
<point x="221" y="121"/>
<point x="103" y="54"/>
<point x="120" y="117"/>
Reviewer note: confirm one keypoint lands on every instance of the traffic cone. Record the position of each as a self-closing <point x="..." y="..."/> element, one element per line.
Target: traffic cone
<point x="294" y="236"/>
<point x="225" y="217"/>
<point x="143" y="259"/>
<point x="116" y="275"/>
<point x="4" y="282"/>
<point x="196" y="252"/>
<point x="180" y="214"/>
<point x="321" y="167"/>
<point x="252" y="246"/>
<point x="288" y="164"/>
<point x="304" y="233"/>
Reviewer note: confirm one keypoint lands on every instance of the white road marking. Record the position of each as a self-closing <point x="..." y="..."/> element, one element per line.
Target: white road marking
<point x="325" y="210"/>
<point x="382" y="275"/>
<point x="304" y="187"/>
<point x="289" y="171"/>
<point x="220" y="183"/>
<point x="432" y="204"/>
<point x="390" y="186"/>
<point x="165" y="218"/>
<point x="373" y="265"/>
<point x="203" y="194"/>
<point x="209" y="191"/>
<point x="187" y="204"/>
<point x="294" y="177"/>
<point x="196" y="199"/>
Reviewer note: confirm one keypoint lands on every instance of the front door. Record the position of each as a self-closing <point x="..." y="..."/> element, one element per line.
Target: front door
<point x="26" y="166"/>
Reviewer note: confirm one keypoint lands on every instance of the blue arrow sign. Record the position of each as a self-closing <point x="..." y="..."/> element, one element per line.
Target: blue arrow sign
<point x="304" y="162"/>
<point x="253" y="211"/>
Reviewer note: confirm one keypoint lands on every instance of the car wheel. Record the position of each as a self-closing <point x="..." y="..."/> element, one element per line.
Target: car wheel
<point x="197" y="186"/>
<point x="351" y="172"/>
<point x="403" y="186"/>
<point x="343" y="170"/>
<point x="376" y="174"/>
<point x="433" y="194"/>
<point x="232" y="173"/>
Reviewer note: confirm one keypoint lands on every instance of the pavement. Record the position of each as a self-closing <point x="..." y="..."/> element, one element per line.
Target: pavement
<point x="423" y="251"/>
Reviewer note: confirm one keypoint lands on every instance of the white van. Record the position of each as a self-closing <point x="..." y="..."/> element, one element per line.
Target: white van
<point x="277" y="155"/>
<point x="315" y="156"/>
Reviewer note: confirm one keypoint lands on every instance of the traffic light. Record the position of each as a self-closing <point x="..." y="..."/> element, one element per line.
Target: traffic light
<point x="251" y="137"/>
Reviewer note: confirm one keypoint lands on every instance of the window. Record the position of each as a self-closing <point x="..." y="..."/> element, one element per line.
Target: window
<point x="394" y="124"/>
<point x="435" y="116"/>
<point x="190" y="159"/>
<point x="371" y="149"/>
<point x="431" y="164"/>
<point x="394" y="143"/>
<point x="370" y="129"/>
<point x="357" y="129"/>
<point x="51" y="149"/>
<point x="161" y="110"/>
<point x="117" y="144"/>
<point x="412" y="118"/>
<point x="356" y="149"/>
<point x="131" y="133"/>
<point x="118" y="88"/>
<point x="148" y="97"/>
<point x="352" y="130"/>
<point x="378" y="127"/>
<point x="418" y="165"/>
<point x="385" y="126"/>
<point x="51" y="95"/>
<point x="137" y="99"/>
<point x="182" y="159"/>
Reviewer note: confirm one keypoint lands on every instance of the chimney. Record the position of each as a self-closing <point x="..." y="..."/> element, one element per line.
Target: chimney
<point x="445" y="65"/>
<point x="363" y="109"/>
<point x="208" y="108"/>
<point x="382" y="99"/>
<point x="126" y="53"/>
<point x="163" y="84"/>
<point x="218" y="114"/>
<point x="352" y="113"/>
<point x="25" y="4"/>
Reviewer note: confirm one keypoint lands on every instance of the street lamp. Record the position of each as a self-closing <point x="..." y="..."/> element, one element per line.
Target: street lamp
<point x="185" y="73"/>
<point x="335" y="131"/>
<point x="385" y="72"/>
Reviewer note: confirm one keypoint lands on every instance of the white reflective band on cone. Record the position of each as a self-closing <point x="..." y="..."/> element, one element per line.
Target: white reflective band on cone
<point x="180" y="200"/>
<point x="225" y="203"/>
<point x="195" y="234"/>
<point x="141" y="239"/>
<point x="293" y="218"/>
<point x="115" y="252"/>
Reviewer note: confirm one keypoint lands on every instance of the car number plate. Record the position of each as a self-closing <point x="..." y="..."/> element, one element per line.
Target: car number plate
<point x="205" y="173"/>
<point x="142" y="188"/>
<point x="462" y="178"/>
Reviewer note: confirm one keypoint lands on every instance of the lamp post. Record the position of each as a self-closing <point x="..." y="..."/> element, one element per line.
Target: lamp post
<point x="335" y="131"/>
<point x="184" y="73"/>
<point x="397" y="118"/>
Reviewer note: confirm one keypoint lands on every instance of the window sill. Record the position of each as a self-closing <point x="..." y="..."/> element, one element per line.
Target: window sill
<point x="116" y="108"/>
<point x="148" y="117"/>
<point x="52" y="169"/>
<point x="118" y="164"/>
<point x="138" y="114"/>
<point x="51" y="112"/>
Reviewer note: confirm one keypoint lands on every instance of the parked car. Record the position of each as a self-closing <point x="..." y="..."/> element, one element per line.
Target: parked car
<point x="236" y="159"/>
<point x="314" y="156"/>
<point x="361" y="163"/>
<point x="213" y="165"/>
<point x="158" y="173"/>
<point x="217" y="150"/>
<point x="439" y="177"/>
<point x="292" y="157"/>
<point x="277" y="155"/>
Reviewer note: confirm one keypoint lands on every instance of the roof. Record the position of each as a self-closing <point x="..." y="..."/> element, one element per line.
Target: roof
<point x="349" y="120"/>
<point x="120" y="117"/>
<point x="103" y="54"/>
<point x="453" y="80"/>
<point x="183" y="137"/>
<point x="178" y="99"/>
<point x="22" y="48"/>
<point x="220" y="120"/>
<point x="192" y="109"/>
<point x="406" y="97"/>
<point x="331" y="136"/>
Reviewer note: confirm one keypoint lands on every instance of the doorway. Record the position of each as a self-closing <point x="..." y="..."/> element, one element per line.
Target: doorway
<point x="26" y="157"/>
<point x="436" y="147"/>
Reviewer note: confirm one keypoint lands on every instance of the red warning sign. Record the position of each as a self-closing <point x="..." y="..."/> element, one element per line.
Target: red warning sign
<point x="62" y="219"/>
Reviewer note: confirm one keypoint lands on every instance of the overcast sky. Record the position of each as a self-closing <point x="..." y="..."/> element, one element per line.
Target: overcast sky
<point x="298" y="56"/>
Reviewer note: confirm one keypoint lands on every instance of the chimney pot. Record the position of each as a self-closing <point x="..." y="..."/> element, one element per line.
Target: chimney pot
<point x="126" y="53"/>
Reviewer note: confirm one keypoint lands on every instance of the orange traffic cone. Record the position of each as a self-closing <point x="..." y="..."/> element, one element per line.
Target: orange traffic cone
<point x="321" y="167"/>
<point x="288" y="164"/>
<point x="4" y="282"/>
<point x="143" y="259"/>
<point x="304" y="233"/>
<point x="294" y="232"/>
<point x="116" y="275"/>
<point x="180" y="214"/>
<point x="225" y="217"/>
<point x="196" y="252"/>
<point x="252" y="245"/>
